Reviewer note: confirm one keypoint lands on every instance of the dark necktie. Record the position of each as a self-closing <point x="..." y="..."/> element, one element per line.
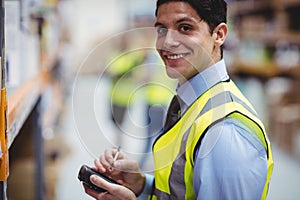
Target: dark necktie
<point x="173" y="113"/>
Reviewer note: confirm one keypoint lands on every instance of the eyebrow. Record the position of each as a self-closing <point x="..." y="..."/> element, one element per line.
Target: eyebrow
<point x="158" y="24"/>
<point x="188" y="19"/>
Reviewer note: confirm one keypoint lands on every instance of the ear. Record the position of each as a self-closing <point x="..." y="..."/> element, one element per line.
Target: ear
<point x="219" y="34"/>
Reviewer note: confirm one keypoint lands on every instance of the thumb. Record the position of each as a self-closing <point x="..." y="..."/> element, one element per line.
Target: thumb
<point x="100" y="182"/>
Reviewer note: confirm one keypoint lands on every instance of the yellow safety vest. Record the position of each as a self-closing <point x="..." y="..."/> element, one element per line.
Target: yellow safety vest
<point x="174" y="150"/>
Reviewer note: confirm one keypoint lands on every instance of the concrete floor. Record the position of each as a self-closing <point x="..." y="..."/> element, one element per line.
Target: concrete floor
<point x="86" y="130"/>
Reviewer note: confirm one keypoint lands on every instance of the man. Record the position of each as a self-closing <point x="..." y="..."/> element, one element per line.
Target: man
<point x="217" y="148"/>
<point x="123" y="82"/>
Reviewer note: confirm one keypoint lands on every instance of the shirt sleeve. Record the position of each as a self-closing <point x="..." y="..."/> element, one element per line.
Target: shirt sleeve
<point x="231" y="163"/>
<point x="147" y="188"/>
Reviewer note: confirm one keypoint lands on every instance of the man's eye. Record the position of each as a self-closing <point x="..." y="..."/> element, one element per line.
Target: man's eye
<point x="185" y="28"/>
<point x="161" y="30"/>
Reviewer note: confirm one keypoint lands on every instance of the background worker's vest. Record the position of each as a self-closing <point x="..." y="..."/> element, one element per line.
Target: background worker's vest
<point x="160" y="88"/>
<point x="174" y="151"/>
<point x="123" y="73"/>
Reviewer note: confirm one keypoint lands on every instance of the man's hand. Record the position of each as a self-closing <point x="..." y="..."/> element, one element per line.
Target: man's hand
<point x="124" y="171"/>
<point x="114" y="191"/>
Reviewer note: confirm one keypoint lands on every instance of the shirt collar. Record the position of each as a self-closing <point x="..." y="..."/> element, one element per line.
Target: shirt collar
<point x="196" y="86"/>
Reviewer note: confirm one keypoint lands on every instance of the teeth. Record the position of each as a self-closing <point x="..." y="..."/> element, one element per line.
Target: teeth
<point x="173" y="57"/>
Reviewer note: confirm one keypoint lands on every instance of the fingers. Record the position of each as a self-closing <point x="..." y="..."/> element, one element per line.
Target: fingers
<point x="93" y="193"/>
<point x="113" y="190"/>
<point x="97" y="195"/>
<point x="121" y="165"/>
<point x="100" y="183"/>
<point x="99" y="166"/>
<point x="106" y="160"/>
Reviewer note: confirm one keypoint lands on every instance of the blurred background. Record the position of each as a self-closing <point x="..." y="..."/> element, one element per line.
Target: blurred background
<point x="81" y="76"/>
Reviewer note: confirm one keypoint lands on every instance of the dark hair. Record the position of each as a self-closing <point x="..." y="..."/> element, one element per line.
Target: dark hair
<point x="213" y="12"/>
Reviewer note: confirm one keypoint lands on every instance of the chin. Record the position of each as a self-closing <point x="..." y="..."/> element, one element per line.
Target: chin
<point x="172" y="73"/>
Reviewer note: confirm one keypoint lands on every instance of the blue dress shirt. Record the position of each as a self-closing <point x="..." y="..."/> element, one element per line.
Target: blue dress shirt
<point x="232" y="162"/>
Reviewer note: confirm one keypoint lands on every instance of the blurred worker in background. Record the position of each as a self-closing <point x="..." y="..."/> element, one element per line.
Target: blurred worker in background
<point x="123" y="82"/>
<point x="216" y="146"/>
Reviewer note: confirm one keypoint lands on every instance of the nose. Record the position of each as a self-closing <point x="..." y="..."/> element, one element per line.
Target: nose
<point x="171" y="40"/>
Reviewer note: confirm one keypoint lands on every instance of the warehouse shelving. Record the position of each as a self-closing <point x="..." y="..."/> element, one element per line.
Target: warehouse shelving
<point x="268" y="23"/>
<point x="21" y="104"/>
<point x="272" y="29"/>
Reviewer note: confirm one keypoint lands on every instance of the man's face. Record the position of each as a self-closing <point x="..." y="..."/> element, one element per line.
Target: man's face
<point x="184" y="41"/>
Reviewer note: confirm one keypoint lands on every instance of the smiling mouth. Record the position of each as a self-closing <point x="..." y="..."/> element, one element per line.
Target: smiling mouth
<point x="176" y="56"/>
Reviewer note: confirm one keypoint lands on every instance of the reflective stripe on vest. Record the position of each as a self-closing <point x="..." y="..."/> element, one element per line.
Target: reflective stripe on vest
<point x="174" y="150"/>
